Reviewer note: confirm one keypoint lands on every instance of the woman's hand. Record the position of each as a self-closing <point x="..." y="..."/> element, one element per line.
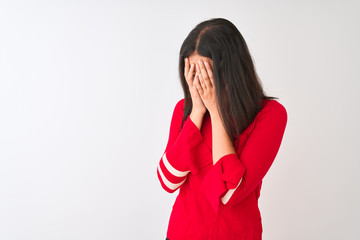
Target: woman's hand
<point x="197" y="104"/>
<point x="205" y="86"/>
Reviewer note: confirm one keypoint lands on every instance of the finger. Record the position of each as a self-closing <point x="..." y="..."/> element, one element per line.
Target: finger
<point x="194" y="80"/>
<point x="197" y="85"/>
<point x="186" y="60"/>
<point x="209" y="72"/>
<point x="201" y="78"/>
<point x="204" y="74"/>
<point x="190" y="74"/>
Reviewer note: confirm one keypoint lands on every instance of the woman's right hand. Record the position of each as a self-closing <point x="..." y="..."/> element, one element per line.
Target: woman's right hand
<point x="190" y="76"/>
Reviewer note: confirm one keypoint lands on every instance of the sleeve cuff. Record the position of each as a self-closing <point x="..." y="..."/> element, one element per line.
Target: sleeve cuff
<point x="224" y="175"/>
<point x="189" y="152"/>
<point x="192" y="131"/>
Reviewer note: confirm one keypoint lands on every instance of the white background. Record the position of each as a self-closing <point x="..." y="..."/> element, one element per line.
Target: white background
<point x="87" y="89"/>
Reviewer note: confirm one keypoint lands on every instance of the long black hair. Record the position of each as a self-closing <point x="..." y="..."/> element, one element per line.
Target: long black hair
<point x="238" y="87"/>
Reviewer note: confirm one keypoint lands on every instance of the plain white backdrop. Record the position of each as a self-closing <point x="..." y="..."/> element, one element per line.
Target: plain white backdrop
<point x="87" y="89"/>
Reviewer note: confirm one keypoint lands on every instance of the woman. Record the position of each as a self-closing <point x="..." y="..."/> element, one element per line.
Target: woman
<point x="224" y="136"/>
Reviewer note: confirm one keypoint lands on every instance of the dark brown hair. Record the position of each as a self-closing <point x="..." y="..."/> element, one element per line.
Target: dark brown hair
<point x="238" y="87"/>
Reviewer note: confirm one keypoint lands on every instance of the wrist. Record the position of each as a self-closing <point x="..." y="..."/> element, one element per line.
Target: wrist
<point x="197" y="114"/>
<point x="214" y="114"/>
<point x="197" y="118"/>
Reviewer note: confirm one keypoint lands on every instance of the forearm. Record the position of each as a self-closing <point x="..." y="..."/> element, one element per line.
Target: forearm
<point x="220" y="140"/>
<point x="197" y="118"/>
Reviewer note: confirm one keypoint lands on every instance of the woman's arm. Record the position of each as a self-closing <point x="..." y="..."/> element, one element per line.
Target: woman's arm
<point x="220" y="140"/>
<point x="185" y="151"/>
<point x="197" y="119"/>
<point x="222" y="146"/>
<point x="233" y="177"/>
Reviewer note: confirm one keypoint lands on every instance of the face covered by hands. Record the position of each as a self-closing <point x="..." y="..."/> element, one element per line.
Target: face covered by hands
<point x="204" y="82"/>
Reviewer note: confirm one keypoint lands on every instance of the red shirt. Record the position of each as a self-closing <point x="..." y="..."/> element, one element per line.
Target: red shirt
<point x="199" y="211"/>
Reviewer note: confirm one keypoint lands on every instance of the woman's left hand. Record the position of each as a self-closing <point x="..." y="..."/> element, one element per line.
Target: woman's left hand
<point x="206" y="86"/>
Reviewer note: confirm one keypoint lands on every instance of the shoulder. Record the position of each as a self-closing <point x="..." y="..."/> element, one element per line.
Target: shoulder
<point x="273" y="109"/>
<point x="179" y="106"/>
<point x="178" y="109"/>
